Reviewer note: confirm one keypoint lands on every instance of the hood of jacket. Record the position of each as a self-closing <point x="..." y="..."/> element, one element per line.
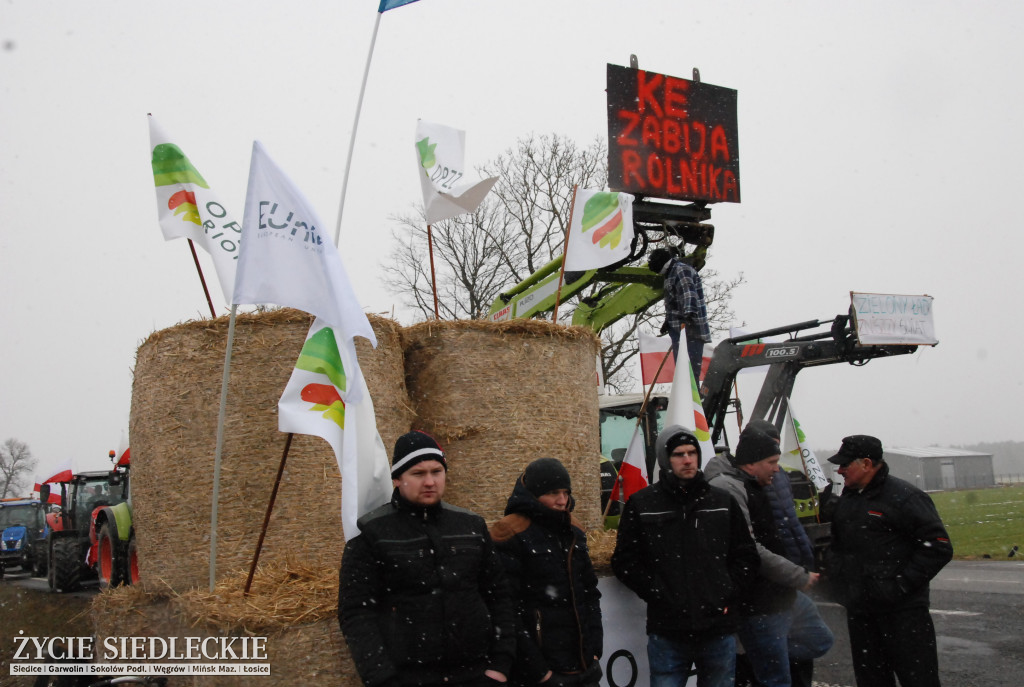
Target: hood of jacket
<point x="522" y="502"/>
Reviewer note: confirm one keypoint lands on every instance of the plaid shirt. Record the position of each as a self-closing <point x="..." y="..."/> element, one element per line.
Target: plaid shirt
<point x="684" y="301"/>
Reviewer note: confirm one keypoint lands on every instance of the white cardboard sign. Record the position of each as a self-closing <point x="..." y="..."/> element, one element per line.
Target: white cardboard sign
<point x="881" y="318"/>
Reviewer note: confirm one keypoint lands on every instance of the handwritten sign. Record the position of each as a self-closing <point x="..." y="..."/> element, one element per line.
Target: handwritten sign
<point x="672" y="138"/>
<point x="881" y="318"/>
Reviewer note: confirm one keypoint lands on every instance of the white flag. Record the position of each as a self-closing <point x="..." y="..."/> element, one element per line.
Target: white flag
<point x="797" y="454"/>
<point x="285" y="258"/>
<point x="600" y="230"/>
<point x="188" y="209"/>
<point x="440" y="152"/>
<point x="327" y="397"/>
<point x="685" y="409"/>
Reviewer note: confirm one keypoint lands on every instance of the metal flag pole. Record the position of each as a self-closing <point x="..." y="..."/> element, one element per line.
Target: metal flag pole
<point x="355" y="127"/>
<point x="220" y="446"/>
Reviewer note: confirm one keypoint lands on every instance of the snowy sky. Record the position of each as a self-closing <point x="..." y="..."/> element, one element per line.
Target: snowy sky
<point x="880" y="146"/>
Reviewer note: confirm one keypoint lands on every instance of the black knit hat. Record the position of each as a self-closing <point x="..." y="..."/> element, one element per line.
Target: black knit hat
<point x="678" y="439"/>
<point x="414" y="447"/>
<point x="545" y="475"/>
<point x="754" y="446"/>
<point x="766" y="427"/>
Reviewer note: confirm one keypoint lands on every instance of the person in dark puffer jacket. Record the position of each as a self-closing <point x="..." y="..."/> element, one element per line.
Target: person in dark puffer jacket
<point x="544" y="551"/>
<point x="685" y="548"/>
<point x="422" y="597"/>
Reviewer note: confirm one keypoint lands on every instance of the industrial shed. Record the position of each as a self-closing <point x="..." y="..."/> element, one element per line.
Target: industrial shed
<point x="936" y="469"/>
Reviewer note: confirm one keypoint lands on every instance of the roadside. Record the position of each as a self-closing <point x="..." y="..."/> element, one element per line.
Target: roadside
<point x="27" y="605"/>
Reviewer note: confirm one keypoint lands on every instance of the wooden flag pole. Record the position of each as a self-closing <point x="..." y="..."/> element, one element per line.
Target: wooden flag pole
<point x="202" y="279"/>
<point x="647" y="397"/>
<point x="266" y="518"/>
<point x="433" y="275"/>
<point x="565" y="252"/>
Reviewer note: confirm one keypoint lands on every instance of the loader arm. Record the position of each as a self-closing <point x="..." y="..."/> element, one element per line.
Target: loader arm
<point x="837" y="344"/>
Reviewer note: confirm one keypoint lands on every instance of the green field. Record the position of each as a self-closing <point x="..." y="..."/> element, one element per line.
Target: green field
<point x="984" y="523"/>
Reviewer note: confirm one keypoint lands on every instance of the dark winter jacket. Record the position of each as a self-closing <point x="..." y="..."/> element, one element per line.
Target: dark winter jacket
<point x="686" y="550"/>
<point x="553" y="582"/>
<point x="423" y="597"/>
<point x="778" y="578"/>
<point x="796" y="545"/>
<point x="887" y="544"/>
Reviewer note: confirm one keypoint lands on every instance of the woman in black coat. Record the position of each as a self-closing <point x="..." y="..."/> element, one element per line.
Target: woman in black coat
<point x="544" y="551"/>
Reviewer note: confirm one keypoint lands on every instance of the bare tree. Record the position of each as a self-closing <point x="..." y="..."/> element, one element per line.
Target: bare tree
<point x="16" y="466"/>
<point x="519" y="228"/>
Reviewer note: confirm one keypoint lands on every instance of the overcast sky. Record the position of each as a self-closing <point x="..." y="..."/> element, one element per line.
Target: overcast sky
<point x="880" y="148"/>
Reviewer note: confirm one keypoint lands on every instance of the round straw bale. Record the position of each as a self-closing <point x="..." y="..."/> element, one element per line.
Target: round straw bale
<point x="499" y="395"/>
<point x="173" y="429"/>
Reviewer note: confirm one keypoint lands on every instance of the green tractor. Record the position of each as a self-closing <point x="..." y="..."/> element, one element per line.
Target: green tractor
<point x="93" y="535"/>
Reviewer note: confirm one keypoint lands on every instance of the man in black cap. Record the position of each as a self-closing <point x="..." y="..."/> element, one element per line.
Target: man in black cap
<point x="774" y="629"/>
<point x="685" y="549"/>
<point x="423" y="598"/>
<point x="888" y="542"/>
<point x="544" y="550"/>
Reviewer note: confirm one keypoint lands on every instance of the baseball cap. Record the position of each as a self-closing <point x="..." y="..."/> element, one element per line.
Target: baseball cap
<point x="857" y="446"/>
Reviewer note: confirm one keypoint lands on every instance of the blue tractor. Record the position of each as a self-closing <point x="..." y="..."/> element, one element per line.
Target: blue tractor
<point x="23" y="536"/>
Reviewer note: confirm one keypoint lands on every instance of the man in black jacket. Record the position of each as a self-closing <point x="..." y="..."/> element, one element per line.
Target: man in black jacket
<point x="685" y="549"/>
<point x="779" y="624"/>
<point x="544" y="551"/>
<point x="888" y="542"/>
<point x="423" y="599"/>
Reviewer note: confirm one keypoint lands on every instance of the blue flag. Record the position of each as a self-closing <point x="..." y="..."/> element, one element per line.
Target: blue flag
<point x="386" y="5"/>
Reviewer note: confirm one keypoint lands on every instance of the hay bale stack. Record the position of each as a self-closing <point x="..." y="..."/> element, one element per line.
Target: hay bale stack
<point x="498" y="395"/>
<point x="173" y="428"/>
<point x="293" y="606"/>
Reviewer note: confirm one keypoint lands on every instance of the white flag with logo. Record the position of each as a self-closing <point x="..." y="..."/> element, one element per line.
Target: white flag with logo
<point x="285" y="257"/>
<point x="188" y="209"/>
<point x="600" y="230"/>
<point x="440" y="152"/>
<point x="797" y="454"/>
<point x="327" y="397"/>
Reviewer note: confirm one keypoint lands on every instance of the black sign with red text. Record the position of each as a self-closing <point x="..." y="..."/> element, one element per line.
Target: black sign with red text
<point x="672" y="138"/>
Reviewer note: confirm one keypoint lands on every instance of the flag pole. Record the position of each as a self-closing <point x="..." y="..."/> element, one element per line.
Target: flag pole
<point x="266" y="518"/>
<point x="433" y="275"/>
<point x="202" y="279"/>
<point x="220" y="445"/>
<point x="565" y="252"/>
<point x="355" y="126"/>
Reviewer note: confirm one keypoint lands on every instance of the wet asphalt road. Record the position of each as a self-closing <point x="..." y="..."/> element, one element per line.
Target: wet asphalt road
<point x="978" y="611"/>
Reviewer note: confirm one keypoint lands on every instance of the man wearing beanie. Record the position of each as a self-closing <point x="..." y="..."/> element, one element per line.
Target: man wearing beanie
<point x="888" y="542"/>
<point x="423" y="599"/>
<point x="685" y="549"/>
<point x="768" y="602"/>
<point x="544" y="551"/>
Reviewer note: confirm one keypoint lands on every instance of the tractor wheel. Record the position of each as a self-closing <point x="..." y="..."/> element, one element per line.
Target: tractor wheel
<point x="108" y="566"/>
<point x="65" y="566"/>
<point x="51" y="568"/>
<point x="133" y="562"/>
<point x="39" y="567"/>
